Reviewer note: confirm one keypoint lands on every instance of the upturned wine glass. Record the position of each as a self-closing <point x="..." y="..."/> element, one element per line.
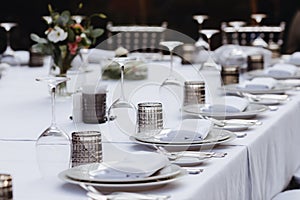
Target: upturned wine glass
<point x="171" y="80"/>
<point x="121" y="102"/>
<point x="236" y="25"/>
<point x="210" y="62"/>
<point x="259" y="41"/>
<point x="200" y="19"/>
<point x="8" y="55"/>
<point x="53" y="146"/>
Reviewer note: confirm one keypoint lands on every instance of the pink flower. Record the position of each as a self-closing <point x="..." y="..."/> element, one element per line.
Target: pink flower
<point x="78" y="39"/>
<point x="73" y="48"/>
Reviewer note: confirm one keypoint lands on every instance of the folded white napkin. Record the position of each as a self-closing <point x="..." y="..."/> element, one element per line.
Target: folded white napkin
<point x="96" y="55"/>
<point x="23" y="56"/>
<point x="190" y="130"/>
<point x="133" y="166"/>
<point x="295" y="58"/>
<point x="3" y="67"/>
<point x="232" y="104"/>
<point x="282" y="70"/>
<point x="259" y="83"/>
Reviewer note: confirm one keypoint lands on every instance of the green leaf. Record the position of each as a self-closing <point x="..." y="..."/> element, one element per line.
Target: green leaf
<point x="38" y="39"/>
<point x="71" y="35"/>
<point x="64" y="18"/>
<point x="50" y="8"/>
<point x="101" y="15"/>
<point x="96" y="32"/>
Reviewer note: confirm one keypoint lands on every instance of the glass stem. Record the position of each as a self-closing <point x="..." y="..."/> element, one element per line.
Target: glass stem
<point x="199" y="28"/>
<point x="8" y="39"/>
<point x="209" y="48"/>
<point x="122" y="83"/>
<point x="53" y="90"/>
<point x="171" y="64"/>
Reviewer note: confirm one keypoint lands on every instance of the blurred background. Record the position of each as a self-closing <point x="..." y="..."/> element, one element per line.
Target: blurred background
<point x="178" y="13"/>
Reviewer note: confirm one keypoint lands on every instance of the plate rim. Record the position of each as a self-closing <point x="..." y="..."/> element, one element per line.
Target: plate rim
<point x="278" y="89"/>
<point x="158" y="182"/>
<point x="232" y="137"/>
<point x="176" y="170"/>
<point x="260" y="73"/>
<point x="250" y="113"/>
<point x="187" y="143"/>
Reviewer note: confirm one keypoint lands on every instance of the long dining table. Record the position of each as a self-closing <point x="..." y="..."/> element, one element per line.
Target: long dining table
<point x="257" y="166"/>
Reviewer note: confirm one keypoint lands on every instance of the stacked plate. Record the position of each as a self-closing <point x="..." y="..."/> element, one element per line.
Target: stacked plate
<point x="278" y="89"/>
<point x="214" y="137"/>
<point x="262" y="73"/>
<point x="250" y="112"/>
<point x="81" y="175"/>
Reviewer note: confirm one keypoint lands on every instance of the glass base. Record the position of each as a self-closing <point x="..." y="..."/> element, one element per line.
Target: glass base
<point x="171" y="81"/>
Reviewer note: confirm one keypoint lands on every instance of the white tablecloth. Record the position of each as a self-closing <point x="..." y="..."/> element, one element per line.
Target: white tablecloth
<point x="257" y="166"/>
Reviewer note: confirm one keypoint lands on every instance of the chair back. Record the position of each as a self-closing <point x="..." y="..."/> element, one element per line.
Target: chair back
<point x="246" y="35"/>
<point x="140" y="38"/>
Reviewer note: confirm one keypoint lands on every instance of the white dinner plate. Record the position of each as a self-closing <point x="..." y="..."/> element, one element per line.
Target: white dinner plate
<point x="234" y="127"/>
<point x="183" y="147"/>
<point x="268" y="102"/>
<point x="186" y="161"/>
<point x="251" y="111"/>
<point x="278" y="89"/>
<point x="262" y="73"/>
<point x="82" y="173"/>
<point x="214" y="135"/>
<point x="135" y="186"/>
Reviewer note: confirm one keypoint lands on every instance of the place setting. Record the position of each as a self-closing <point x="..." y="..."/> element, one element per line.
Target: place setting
<point x="131" y="173"/>
<point x="258" y="85"/>
<point x="230" y="107"/>
<point x="279" y="71"/>
<point x="187" y="134"/>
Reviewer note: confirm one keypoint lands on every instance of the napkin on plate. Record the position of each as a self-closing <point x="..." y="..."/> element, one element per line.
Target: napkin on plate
<point x="135" y="165"/>
<point x="295" y="58"/>
<point x="259" y="83"/>
<point x="282" y="70"/>
<point x="190" y="130"/>
<point x="232" y="104"/>
<point x="96" y="55"/>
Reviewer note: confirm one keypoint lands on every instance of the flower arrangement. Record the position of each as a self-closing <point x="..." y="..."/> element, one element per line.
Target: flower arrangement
<point x="65" y="36"/>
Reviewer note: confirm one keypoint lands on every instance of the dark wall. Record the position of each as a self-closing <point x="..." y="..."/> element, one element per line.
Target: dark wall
<point x="178" y="14"/>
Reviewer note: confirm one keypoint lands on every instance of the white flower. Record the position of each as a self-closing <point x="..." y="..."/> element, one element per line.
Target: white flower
<point x="57" y="34"/>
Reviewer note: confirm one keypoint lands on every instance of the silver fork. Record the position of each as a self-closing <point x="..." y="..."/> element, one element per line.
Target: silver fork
<point x="176" y="155"/>
<point x="222" y="123"/>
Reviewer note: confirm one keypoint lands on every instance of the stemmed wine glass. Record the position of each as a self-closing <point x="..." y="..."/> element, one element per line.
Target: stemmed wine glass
<point x="236" y="25"/>
<point x="121" y="102"/>
<point x="211" y="72"/>
<point x="259" y="41"/>
<point x="200" y="19"/>
<point x="53" y="146"/>
<point x="171" y="80"/>
<point x="8" y="55"/>
<point x="210" y="62"/>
